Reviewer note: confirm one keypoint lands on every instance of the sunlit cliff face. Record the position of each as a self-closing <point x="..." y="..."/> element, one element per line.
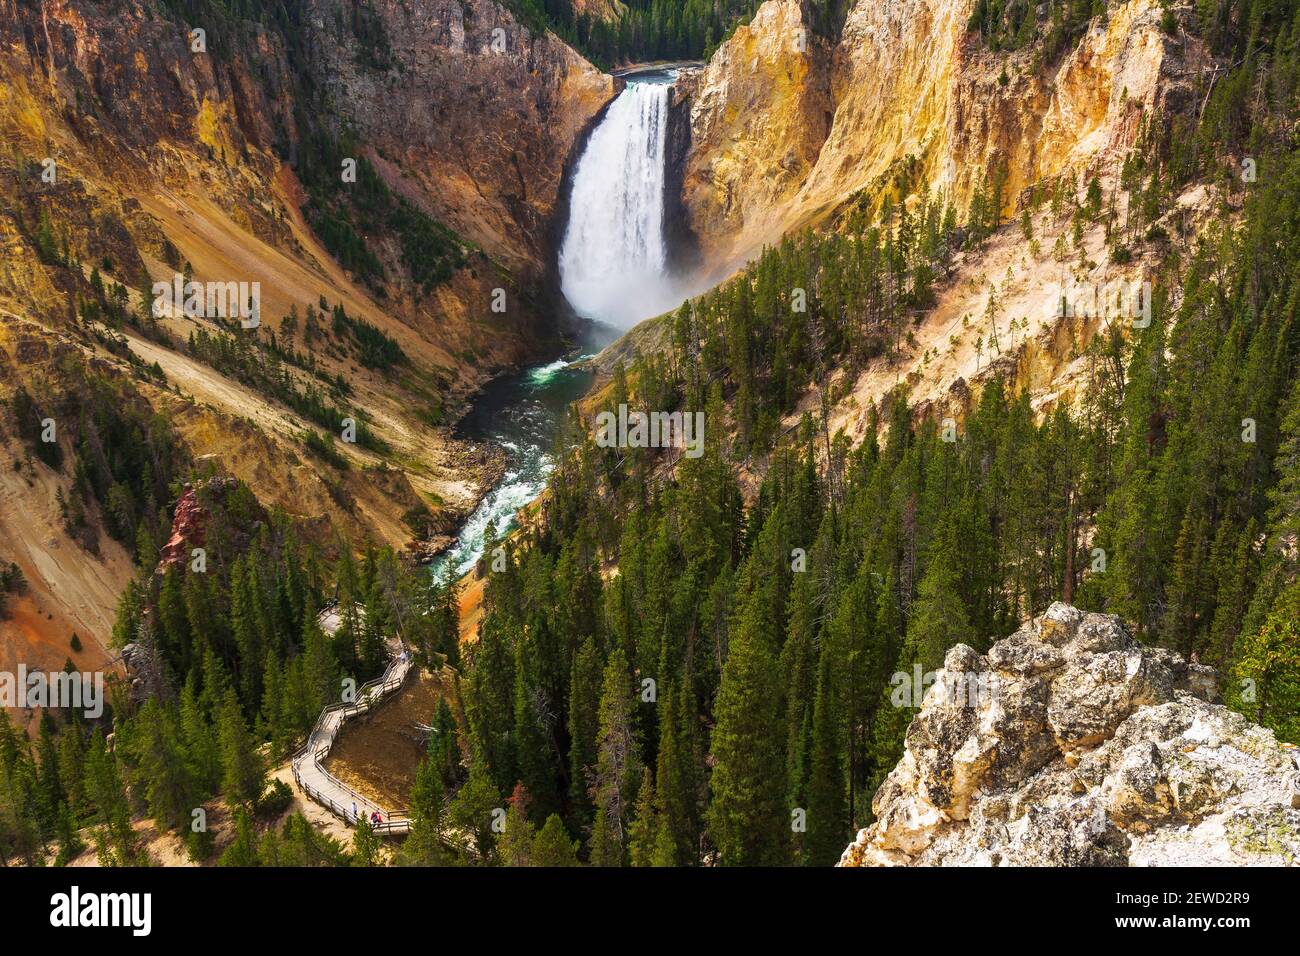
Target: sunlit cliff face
<point x="783" y="132"/>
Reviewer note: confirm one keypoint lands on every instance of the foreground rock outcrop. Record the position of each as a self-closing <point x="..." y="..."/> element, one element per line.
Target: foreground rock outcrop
<point x="1069" y="744"/>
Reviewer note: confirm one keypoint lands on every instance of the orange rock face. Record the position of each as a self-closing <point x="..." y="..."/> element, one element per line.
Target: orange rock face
<point x="785" y="128"/>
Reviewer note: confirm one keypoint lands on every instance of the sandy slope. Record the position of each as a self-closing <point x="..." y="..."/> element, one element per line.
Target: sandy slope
<point x="1043" y="351"/>
<point x="68" y="590"/>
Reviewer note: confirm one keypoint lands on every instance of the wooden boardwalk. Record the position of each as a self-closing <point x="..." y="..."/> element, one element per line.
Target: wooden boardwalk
<point x="317" y="783"/>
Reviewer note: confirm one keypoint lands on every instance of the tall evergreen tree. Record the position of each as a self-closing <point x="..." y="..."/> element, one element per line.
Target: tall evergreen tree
<point x="618" y="766"/>
<point x="748" y="820"/>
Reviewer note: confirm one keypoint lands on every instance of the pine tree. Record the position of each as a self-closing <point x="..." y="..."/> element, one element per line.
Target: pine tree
<point x="1267" y="673"/>
<point x="443" y="634"/>
<point x="72" y="761"/>
<point x="365" y="844"/>
<point x="275" y="723"/>
<point x="164" y="775"/>
<point x="301" y="844"/>
<point x="891" y="717"/>
<point x="174" y="625"/>
<point x="584" y="706"/>
<point x="939" y="617"/>
<point x="320" y="671"/>
<point x="1238" y="572"/>
<point x="799" y="662"/>
<point x="679" y="781"/>
<point x="473" y="808"/>
<point x="424" y="846"/>
<point x="199" y="743"/>
<point x="1284" y="516"/>
<point x="618" y="765"/>
<point x="552" y="846"/>
<point x="643" y="834"/>
<point x="242" y="772"/>
<point x="515" y="845"/>
<point x="536" y="763"/>
<point x="490" y="697"/>
<point x="19" y="831"/>
<point x="247" y="630"/>
<point x="1132" y="527"/>
<point x="115" y="839"/>
<point x="243" y="850"/>
<point x="828" y="812"/>
<point x="747" y="819"/>
<point x="49" y="788"/>
<point x="444" y="749"/>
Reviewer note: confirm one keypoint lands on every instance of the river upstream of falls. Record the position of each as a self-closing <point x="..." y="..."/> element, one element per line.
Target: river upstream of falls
<point x="613" y="264"/>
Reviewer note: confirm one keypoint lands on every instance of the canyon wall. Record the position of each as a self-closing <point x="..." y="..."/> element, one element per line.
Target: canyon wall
<point x="786" y="128"/>
<point x="465" y="113"/>
<point x="134" y="149"/>
<point x="472" y="112"/>
<point x="683" y="249"/>
<point x="760" y="111"/>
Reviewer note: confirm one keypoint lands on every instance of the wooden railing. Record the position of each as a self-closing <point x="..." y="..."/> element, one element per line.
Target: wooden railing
<point x="333" y="794"/>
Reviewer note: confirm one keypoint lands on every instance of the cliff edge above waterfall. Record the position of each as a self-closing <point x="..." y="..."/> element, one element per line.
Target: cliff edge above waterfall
<point x="1069" y="744"/>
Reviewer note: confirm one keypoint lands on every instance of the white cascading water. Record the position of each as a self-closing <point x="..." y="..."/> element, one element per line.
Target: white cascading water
<point x="614" y="259"/>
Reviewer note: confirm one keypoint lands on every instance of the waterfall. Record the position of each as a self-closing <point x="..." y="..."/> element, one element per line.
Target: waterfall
<point x="614" y="260"/>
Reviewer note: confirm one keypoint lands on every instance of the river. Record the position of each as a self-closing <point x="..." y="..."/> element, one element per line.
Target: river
<point x="522" y="414"/>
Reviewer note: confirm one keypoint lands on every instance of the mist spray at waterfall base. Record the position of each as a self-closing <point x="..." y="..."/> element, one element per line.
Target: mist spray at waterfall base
<point x="614" y="258"/>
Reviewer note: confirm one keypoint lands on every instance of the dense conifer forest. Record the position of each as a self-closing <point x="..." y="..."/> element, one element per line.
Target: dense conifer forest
<point x="667" y="674"/>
